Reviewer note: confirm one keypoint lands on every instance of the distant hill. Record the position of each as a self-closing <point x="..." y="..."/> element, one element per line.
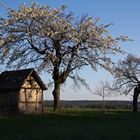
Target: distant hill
<point x="94" y="104"/>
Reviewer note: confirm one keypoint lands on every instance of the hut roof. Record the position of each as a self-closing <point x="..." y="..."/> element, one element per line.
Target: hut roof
<point x="14" y="79"/>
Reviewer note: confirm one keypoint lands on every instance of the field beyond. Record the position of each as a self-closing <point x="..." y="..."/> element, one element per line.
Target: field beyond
<point x="72" y="124"/>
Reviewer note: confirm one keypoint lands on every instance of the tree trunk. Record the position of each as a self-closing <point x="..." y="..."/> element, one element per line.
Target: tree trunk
<point x="56" y="95"/>
<point x="104" y="104"/>
<point x="135" y="100"/>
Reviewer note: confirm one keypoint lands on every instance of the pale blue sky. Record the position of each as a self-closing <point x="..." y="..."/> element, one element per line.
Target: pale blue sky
<point x="125" y="14"/>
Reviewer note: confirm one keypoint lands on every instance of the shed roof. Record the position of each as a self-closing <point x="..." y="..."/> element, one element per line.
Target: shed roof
<point x="15" y="79"/>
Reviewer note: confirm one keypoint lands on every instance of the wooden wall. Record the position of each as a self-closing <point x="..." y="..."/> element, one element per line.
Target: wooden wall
<point x="8" y="101"/>
<point x="31" y="97"/>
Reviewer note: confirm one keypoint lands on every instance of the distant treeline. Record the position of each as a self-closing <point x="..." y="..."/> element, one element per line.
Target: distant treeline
<point x="94" y="104"/>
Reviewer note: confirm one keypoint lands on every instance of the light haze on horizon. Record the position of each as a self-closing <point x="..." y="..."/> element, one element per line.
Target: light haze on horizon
<point x="124" y="14"/>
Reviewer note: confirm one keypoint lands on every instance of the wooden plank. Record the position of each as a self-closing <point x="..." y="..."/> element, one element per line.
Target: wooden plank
<point x="30" y="88"/>
<point x="30" y="102"/>
<point x="42" y="102"/>
<point x="36" y="100"/>
<point x="26" y="99"/>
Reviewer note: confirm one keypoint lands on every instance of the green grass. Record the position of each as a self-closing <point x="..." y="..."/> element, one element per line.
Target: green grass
<point x="72" y="124"/>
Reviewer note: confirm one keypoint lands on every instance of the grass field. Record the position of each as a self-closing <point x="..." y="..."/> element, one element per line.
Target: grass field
<point x="72" y="124"/>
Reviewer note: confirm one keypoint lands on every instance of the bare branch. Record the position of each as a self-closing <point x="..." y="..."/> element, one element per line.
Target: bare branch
<point x="126" y="74"/>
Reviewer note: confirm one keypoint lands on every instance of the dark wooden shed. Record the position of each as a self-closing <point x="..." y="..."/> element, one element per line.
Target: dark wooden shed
<point x="21" y="91"/>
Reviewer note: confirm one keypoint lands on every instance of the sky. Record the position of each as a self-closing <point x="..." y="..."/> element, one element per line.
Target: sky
<point x="125" y="16"/>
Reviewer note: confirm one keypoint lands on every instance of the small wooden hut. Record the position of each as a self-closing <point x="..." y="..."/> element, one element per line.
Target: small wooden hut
<point x="21" y="91"/>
